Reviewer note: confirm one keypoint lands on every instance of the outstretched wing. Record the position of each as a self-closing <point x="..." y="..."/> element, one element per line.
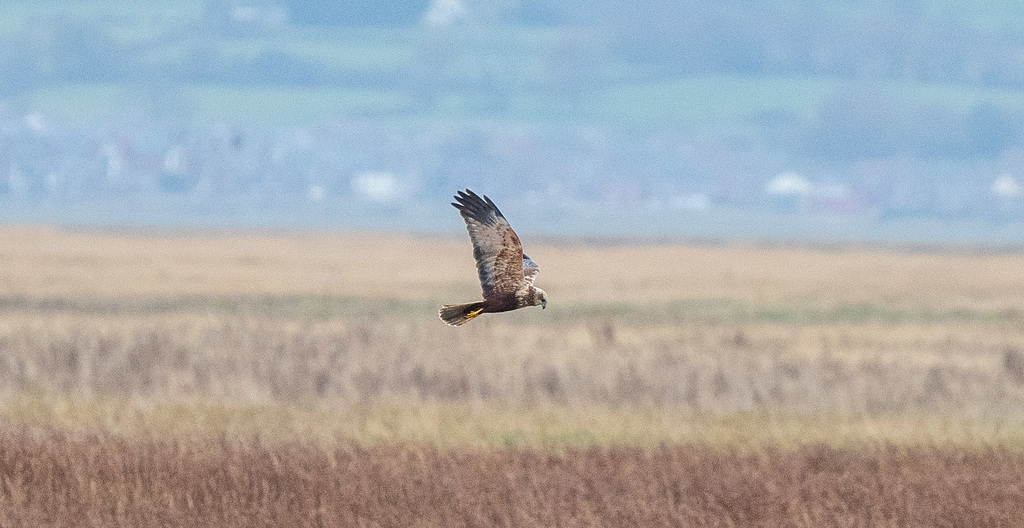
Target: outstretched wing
<point x="530" y="269"/>
<point x="496" y="248"/>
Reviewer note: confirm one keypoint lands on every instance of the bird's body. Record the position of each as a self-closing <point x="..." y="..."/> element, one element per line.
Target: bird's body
<point x="506" y="274"/>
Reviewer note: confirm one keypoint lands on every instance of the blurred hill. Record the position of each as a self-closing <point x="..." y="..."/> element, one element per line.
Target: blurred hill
<point x="836" y="119"/>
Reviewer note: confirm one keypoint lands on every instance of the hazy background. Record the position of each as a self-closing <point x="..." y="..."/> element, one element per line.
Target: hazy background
<point x="688" y="371"/>
<point x="782" y="119"/>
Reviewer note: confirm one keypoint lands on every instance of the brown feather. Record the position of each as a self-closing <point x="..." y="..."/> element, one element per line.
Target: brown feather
<point x="506" y="274"/>
<point x="496" y="247"/>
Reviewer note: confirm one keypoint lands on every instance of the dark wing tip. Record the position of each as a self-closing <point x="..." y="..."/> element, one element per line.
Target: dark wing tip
<point x="466" y="195"/>
<point x="471" y="206"/>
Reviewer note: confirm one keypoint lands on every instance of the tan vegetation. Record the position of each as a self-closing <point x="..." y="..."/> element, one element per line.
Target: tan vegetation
<point x="347" y="321"/>
<point x="52" y="478"/>
<point x="870" y="369"/>
<point x="290" y="379"/>
<point x="48" y="263"/>
<point x="485" y="425"/>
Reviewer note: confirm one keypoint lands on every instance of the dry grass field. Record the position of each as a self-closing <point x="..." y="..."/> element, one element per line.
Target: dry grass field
<point x="230" y="378"/>
<point x="51" y="478"/>
<point x="42" y="263"/>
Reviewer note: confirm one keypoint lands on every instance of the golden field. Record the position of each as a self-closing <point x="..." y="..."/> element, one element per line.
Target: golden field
<point x="44" y="262"/>
<point x="243" y="366"/>
<point x="663" y="341"/>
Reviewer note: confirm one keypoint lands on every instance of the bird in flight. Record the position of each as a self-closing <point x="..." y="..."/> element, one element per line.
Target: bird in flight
<point x="506" y="273"/>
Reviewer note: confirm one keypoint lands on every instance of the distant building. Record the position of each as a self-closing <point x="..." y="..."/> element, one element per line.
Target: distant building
<point x="246" y="15"/>
<point x="1006" y="187"/>
<point x="35" y="122"/>
<point x="316" y="193"/>
<point x="789" y="184"/>
<point x="378" y="187"/>
<point x="1008" y="194"/>
<point x="172" y="177"/>
<point x="789" y="191"/>
<point x="444" y="12"/>
<point x="260" y="14"/>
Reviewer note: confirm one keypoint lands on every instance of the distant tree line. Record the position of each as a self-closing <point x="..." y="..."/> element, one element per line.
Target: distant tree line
<point x="860" y="39"/>
<point x="895" y="153"/>
<point x="892" y="41"/>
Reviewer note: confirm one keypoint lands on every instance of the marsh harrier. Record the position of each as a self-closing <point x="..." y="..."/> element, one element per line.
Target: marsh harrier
<point x="506" y="274"/>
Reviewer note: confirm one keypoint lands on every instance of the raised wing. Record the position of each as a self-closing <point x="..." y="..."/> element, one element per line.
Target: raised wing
<point x="530" y="269"/>
<point x="496" y="248"/>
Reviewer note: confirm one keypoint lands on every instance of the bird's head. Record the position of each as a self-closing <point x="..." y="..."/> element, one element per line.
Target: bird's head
<point x="540" y="298"/>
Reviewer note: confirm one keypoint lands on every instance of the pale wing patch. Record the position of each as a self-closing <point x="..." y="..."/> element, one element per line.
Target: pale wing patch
<point x="530" y="269"/>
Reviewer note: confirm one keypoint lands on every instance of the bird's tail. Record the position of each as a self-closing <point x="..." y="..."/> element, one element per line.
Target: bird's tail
<point x="457" y="314"/>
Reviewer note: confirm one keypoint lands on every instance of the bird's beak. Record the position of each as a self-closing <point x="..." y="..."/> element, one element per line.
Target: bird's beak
<point x="543" y="305"/>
